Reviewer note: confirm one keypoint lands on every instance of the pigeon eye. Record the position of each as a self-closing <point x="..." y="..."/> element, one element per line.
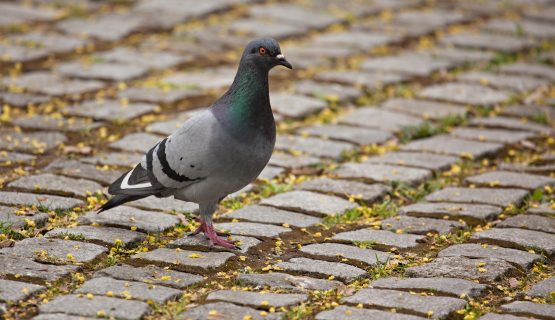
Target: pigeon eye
<point x="262" y="50"/>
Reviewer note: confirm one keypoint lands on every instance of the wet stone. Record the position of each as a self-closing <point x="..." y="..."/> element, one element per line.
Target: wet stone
<point x="527" y="308"/>
<point x="340" y="251"/>
<point x="360" y="136"/>
<point x="292" y="161"/>
<point x="518" y="239"/>
<point x="344" y="188"/>
<point x="105" y="236"/>
<point x="538" y="70"/>
<point x="313" y="146"/>
<point x="12" y="291"/>
<point x="371" y="172"/>
<point x="265" y="214"/>
<point x="149" y="59"/>
<point x="102" y="71"/>
<point x="257" y="299"/>
<point x="473" y="250"/>
<point x="184" y="260"/>
<point x="136" y="142"/>
<point x="9" y="158"/>
<point x="25" y="269"/>
<point x="32" y="142"/>
<point x="50" y="183"/>
<point x="380" y="239"/>
<point x="22" y="100"/>
<point x="50" y="123"/>
<point x="493" y="135"/>
<point x="503" y="81"/>
<point x="309" y="202"/>
<point x="76" y="169"/>
<point x="424" y="109"/>
<point x="438" y="307"/>
<point x="465" y="94"/>
<point x="106" y="27"/>
<point x="339" y="270"/>
<point x="365" y="79"/>
<point x="48" y="201"/>
<point x="444" y="286"/>
<point x="120" y="159"/>
<point x="327" y="91"/>
<point x="225" y="311"/>
<point x="542" y="289"/>
<point x="207" y="79"/>
<point x="10" y="218"/>
<point x="372" y="117"/>
<point x="53" y="85"/>
<point x="150" y="275"/>
<point x="483" y="270"/>
<point x="512" y="124"/>
<point x="496" y="197"/>
<point x="429" y="161"/>
<point x="129" y="290"/>
<point x="524" y="28"/>
<point x="277" y="280"/>
<point x="470" y="213"/>
<point x="416" y="225"/>
<point x="90" y="307"/>
<point x="64" y="251"/>
<point x="511" y="180"/>
<point x="199" y="242"/>
<point x="354" y="313"/>
<point x="157" y="95"/>
<point x="415" y="64"/>
<point x="168" y="204"/>
<point x="295" y="106"/>
<point x="128" y="217"/>
<point x="487" y="41"/>
<point x="252" y="229"/>
<point x="110" y="110"/>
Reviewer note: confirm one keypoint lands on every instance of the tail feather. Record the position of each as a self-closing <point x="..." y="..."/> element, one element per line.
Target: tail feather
<point x="118" y="200"/>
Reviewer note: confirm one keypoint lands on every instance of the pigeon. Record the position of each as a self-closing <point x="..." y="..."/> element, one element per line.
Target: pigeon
<point x="218" y="151"/>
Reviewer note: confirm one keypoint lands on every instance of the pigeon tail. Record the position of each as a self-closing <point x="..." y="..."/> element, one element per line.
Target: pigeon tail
<point x="118" y="200"/>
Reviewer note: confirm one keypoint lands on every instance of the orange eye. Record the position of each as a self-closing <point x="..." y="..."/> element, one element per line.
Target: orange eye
<point x="262" y="50"/>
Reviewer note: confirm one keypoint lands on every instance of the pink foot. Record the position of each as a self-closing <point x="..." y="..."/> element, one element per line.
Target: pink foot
<point x="212" y="235"/>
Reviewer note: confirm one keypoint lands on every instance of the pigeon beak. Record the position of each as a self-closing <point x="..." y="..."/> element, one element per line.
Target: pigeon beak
<point x="283" y="61"/>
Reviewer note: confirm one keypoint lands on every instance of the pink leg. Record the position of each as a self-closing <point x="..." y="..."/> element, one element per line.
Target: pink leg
<point x="202" y="227"/>
<point x="212" y="235"/>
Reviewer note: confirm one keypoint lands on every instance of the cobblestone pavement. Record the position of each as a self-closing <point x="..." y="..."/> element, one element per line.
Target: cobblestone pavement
<point x="413" y="176"/>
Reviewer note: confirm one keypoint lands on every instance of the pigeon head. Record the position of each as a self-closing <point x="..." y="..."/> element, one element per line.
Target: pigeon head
<point x="265" y="53"/>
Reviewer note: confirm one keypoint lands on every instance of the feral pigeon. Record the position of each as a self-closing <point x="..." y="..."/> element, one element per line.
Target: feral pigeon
<point x="216" y="152"/>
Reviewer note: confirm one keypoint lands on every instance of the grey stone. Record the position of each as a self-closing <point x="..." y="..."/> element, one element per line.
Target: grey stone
<point x="372" y="117"/>
<point x="436" y="162"/>
<point x="424" y="109"/>
<point x="207" y="79"/>
<point x="168" y="204"/>
<point x="169" y="126"/>
<point x="39" y="122"/>
<point x="13" y="291"/>
<point x="22" y="100"/>
<point x="277" y="280"/>
<point x="470" y="213"/>
<point x="295" y="106"/>
<point x="493" y="135"/>
<point x="91" y="307"/>
<point x="59" y="316"/>
<point x="512" y="124"/>
<point x="483" y="270"/>
<point x="48" y="201"/>
<point x="542" y="289"/>
<point x="518" y="239"/>
<point x="360" y="40"/>
<point x="313" y="146"/>
<point x="110" y="110"/>
<point x="50" y="183"/>
<point x="344" y="188"/>
<point x="53" y="85"/>
<point x="496" y="316"/>
<point x="225" y="311"/>
<point x="37" y="45"/>
<point x="327" y="91"/>
<point x="129" y="290"/>
<point x="473" y="250"/>
<point x="110" y="71"/>
<point x="270" y="172"/>
<point x="199" y="242"/>
<point x="295" y="14"/>
<point x="416" y="225"/>
<point x="61" y="251"/>
<point x="184" y="260"/>
<point x="340" y="251"/>
<point x="15" y="13"/>
<point x="503" y="81"/>
<point x="32" y="142"/>
<point x="339" y="270"/>
<point x="76" y="169"/>
<point x="444" y="144"/>
<point x="150" y="275"/>
<point x="465" y="94"/>
<point x="100" y="235"/>
<point x="432" y="306"/>
<point x="136" y="142"/>
<point x="352" y="313"/>
<point x="511" y="180"/>
<point x="521" y="28"/>
<point x="10" y="158"/>
<point x="266" y="28"/>
<point x="150" y="59"/>
<point x="434" y="17"/>
<point x="529" y="111"/>
<point x="309" y="202"/>
<point x="258" y="299"/>
<point x="496" y="197"/>
<point x="272" y="215"/>
<point x="25" y="269"/>
<point x="372" y="172"/>
<point x="380" y="239"/>
<point x="252" y="229"/>
<point x="540" y="13"/>
<point x="415" y="64"/>
<point x="361" y="136"/>
<point x="127" y="217"/>
<point x="444" y="286"/>
<point x="9" y="217"/>
<point x="158" y="95"/>
<point x="461" y="56"/>
<point x="292" y="161"/>
<point x="542" y="209"/>
<point x="120" y="159"/>
<point x="527" y="308"/>
<point x="538" y="70"/>
<point x="487" y="41"/>
<point x="105" y="27"/>
<point x="365" y="79"/>
<point x="523" y="168"/>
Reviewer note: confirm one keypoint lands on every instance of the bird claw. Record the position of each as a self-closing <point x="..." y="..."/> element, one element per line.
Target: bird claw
<point x="213" y="236"/>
